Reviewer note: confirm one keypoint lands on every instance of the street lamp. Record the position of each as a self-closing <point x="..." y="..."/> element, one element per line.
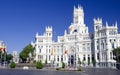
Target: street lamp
<point x="75" y="48"/>
<point x="106" y="58"/>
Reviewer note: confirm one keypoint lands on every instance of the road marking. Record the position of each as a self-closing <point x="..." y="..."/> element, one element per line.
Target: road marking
<point x="85" y="74"/>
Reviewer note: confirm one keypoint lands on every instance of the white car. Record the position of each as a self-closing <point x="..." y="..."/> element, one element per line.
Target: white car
<point x="25" y="67"/>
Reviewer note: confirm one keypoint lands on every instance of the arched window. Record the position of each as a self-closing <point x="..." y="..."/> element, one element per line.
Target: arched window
<point x="62" y="58"/>
<point x="113" y="45"/>
<point x="98" y="57"/>
<point x="84" y="58"/>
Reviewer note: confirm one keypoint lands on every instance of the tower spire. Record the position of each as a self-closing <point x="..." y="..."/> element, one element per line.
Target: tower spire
<point x="78" y="15"/>
<point x="106" y="24"/>
<point x="116" y="23"/>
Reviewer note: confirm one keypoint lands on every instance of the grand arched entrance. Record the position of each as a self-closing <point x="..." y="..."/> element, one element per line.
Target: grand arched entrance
<point x="71" y="60"/>
<point x="72" y="56"/>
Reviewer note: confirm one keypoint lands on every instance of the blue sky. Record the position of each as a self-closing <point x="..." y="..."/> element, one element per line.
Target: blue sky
<point x="21" y="19"/>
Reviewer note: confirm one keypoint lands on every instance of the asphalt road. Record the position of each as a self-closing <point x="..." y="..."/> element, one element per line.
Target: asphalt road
<point x="100" y="71"/>
<point x="86" y="71"/>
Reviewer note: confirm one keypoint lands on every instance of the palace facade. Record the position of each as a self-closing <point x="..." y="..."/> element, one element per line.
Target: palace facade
<point x="78" y="44"/>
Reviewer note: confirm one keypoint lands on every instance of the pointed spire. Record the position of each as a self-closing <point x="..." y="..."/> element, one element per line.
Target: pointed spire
<point x="101" y="18"/>
<point x="46" y="27"/>
<point x="79" y="6"/>
<point x="116" y="24"/>
<point x="65" y="32"/>
<point x="106" y="24"/>
<point x="94" y="19"/>
<point x="37" y="34"/>
<point x="74" y="7"/>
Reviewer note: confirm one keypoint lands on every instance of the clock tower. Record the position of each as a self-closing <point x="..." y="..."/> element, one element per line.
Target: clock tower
<point x="78" y="15"/>
<point x="78" y="25"/>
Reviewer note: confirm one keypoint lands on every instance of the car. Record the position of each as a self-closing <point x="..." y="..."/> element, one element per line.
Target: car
<point x="118" y="66"/>
<point x="25" y="67"/>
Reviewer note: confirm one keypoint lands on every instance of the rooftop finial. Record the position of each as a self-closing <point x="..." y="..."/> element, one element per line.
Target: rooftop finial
<point x="106" y="24"/>
<point x="79" y="7"/>
<point x="74" y="7"/>
<point x="116" y="23"/>
<point x="65" y="32"/>
<point x="37" y="34"/>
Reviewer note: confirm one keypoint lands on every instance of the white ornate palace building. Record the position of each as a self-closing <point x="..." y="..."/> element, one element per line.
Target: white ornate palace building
<point x="78" y="44"/>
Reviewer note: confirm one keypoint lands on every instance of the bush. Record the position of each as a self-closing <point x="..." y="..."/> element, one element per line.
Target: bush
<point x="63" y="65"/>
<point x="94" y="63"/>
<point x="12" y="65"/>
<point x="46" y="61"/>
<point x="79" y="68"/>
<point x="88" y="61"/>
<point x="39" y="65"/>
<point x="57" y="68"/>
<point x="79" y="62"/>
<point x="34" y="61"/>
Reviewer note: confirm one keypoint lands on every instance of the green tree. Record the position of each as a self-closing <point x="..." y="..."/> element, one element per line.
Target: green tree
<point x="63" y="65"/>
<point x="4" y="55"/>
<point x="94" y="62"/>
<point x="24" y="54"/>
<point x="88" y="61"/>
<point x="46" y="61"/>
<point x="12" y="64"/>
<point x="79" y="62"/>
<point x="39" y="65"/>
<point x="9" y="57"/>
<point x="116" y="53"/>
<point x="1" y="56"/>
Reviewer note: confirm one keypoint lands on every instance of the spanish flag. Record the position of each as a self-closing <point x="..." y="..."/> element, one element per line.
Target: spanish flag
<point x="2" y="48"/>
<point x="66" y="52"/>
<point x="53" y="52"/>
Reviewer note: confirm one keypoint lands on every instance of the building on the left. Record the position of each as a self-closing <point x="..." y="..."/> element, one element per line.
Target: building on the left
<point x="3" y="51"/>
<point x="3" y="46"/>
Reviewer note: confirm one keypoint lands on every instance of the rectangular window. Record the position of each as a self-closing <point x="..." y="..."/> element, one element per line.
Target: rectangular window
<point x="98" y="56"/>
<point x="97" y="47"/>
<point x="49" y="34"/>
<point x="49" y="57"/>
<point x="54" y="58"/>
<point x="40" y="50"/>
<point x="46" y="57"/>
<point x="113" y="46"/>
<point x="111" y="55"/>
<point x="83" y="48"/>
<point x="46" y="50"/>
<point x="84" y="58"/>
<point x="96" y="27"/>
<point x="88" y="48"/>
<point x="58" y="58"/>
<point x="49" y="50"/>
<point x="62" y="58"/>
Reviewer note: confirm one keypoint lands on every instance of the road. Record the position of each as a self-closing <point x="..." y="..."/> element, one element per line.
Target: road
<point x="86" y="71"/>
<point x="100" y="71"/>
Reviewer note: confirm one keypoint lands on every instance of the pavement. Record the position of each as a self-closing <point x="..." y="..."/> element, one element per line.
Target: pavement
<point x="52" y="71"/>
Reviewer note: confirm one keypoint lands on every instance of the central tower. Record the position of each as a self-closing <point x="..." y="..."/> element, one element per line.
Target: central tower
<point x="78" y="15"/>
<point x="78" y="26"/>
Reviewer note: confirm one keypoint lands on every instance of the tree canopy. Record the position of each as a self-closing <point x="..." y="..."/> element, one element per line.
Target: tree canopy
<point x="116" y="53"/>
<point x="5" y="57"/>
<point x="9" y="57"/>
<point x="24" y="54"/>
